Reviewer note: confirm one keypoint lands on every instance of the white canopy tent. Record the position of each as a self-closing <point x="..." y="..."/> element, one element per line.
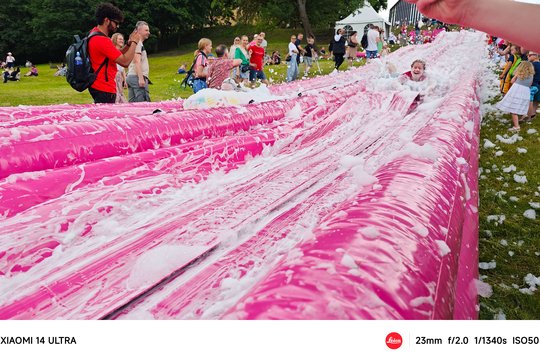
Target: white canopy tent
<point x="360" y="19"/>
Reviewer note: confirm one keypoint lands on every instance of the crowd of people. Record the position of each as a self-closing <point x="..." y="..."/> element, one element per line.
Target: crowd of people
<point x="12" y="72"/>
<point x="519" y="80"/>
<point x="425" y="31"/>
<point x="236" y="68"/>
<point x="301" y="57"/>
<point x="119" y="64"/>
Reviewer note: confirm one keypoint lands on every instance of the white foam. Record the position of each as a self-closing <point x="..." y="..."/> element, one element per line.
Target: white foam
<point x="530" y="214"/>
<point x="484" y="289"/>
<point x="159" y="262"/>
<point x="443" y="247"/>
<point x="487" y="265"/>
<point x="370" y="232"/>
<point x="521" y="179"/>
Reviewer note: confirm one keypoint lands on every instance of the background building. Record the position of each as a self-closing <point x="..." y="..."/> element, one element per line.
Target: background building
<point x="404" y="11"/>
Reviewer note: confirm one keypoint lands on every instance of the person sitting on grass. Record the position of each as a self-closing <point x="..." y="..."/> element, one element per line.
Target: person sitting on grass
<point x="182" y="69"/>
<point x="323" y="54"/>
<point x="61" y="70"/>
<point x="274" y="59"/>
<point x="14" y="75"/>
<point x="33" y="71"/>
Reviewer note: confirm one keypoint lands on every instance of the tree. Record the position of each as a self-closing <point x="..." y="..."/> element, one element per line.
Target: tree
<point x="302" y="12"/>
<point x="307" y="13"/>
<point x="42" y="30"/>
<point x="15" y="36"/>
<point x="53" y="24"/>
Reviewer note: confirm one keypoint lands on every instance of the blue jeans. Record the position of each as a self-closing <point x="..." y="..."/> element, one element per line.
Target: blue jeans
<point x="199" y="84"/>
<point x="371" y="54"/>
<point x="292" y="69"/>
<point x="256" y="74"/>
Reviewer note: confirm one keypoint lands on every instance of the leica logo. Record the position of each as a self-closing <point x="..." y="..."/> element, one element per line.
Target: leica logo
<point x="394" y="340"/>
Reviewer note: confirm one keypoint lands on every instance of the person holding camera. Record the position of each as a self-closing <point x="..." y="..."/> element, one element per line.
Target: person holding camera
<point x="103" y="54"/>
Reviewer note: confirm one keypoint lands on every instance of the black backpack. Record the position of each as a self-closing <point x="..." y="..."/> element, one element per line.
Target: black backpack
<point x="364" y="41"/>
<point x="81" y="77"/>
<point x="190" y="77"/>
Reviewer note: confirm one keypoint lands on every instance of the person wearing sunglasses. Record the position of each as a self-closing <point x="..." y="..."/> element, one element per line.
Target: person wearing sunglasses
<point x="104" y="55"/>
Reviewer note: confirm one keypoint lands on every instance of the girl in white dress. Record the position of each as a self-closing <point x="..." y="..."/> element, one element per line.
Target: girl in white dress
<point x="516" y="100"/>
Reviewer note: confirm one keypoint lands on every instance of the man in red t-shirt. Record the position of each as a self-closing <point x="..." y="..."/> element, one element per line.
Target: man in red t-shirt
<point x="256" y="62"/>
<point x="104" y="54"/>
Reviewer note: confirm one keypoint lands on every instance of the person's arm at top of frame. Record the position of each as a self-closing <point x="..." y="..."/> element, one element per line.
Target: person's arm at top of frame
<point x="490" y="16"/>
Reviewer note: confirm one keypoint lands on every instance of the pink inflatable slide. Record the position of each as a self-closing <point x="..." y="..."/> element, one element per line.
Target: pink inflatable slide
<point x="352" y="197"/>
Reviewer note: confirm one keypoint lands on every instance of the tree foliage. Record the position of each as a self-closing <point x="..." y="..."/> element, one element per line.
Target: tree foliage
<point x="284" y="13"/>
<point x="42" y="30"/>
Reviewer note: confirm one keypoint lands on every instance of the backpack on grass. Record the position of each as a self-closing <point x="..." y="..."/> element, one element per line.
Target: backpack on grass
<point x="79" y="72"/>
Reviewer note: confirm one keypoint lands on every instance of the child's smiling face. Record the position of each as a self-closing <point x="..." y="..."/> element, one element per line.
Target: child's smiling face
<point x="418" y="69"/>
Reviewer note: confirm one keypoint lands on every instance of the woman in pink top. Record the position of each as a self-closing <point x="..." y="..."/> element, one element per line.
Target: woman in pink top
<point x="200" y="70"/>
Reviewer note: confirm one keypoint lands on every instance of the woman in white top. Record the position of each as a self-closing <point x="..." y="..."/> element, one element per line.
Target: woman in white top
<point x="10" y="60"/>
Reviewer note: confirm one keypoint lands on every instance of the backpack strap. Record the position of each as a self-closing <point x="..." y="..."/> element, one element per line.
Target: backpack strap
<point x="195" y="61"/>
<point x="189" y="72"/>
<point x="106" y="61"/>
<point x="106" y="64"/>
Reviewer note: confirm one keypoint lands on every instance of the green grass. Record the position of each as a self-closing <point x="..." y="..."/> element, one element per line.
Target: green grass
<point x="521" y="255"/>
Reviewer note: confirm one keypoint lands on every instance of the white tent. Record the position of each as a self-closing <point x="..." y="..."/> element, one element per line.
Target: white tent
<point x="360" y="19"/>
